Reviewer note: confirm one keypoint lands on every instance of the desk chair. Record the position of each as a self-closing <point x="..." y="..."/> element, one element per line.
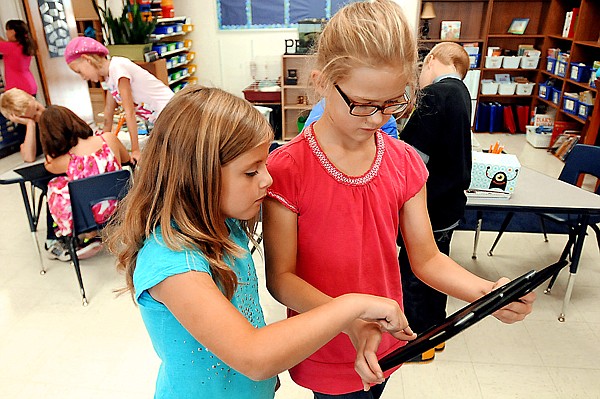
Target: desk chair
<point x="85" y="193"/>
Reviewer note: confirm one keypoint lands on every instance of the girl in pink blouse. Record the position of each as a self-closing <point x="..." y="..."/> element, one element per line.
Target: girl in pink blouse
<point x="342" y="188"/>
<point x="17" y="51"/>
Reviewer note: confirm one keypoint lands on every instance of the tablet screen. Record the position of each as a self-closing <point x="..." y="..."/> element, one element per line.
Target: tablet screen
<point x="470" y="314"/>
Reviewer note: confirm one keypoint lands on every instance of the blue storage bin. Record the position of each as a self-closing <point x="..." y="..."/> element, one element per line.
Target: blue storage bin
<point x="570" y="105"/>
<point x="584" y="110"/>
<point x="544" y="91"/>
<point x="561" y="68"/>
<point x="580" y="72"/>
<point x="474" y="61"/>
<point x="164" y="29"/>
<point x="159" y="48"/>
<point x="551" y="65"/>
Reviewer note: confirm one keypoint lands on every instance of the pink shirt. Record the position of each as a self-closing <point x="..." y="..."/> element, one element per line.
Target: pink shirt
<point x="347" y="228"/>
<point x="16" y="68"/>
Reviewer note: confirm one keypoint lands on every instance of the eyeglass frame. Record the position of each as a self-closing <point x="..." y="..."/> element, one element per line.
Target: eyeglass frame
<point x="351" y="104"/>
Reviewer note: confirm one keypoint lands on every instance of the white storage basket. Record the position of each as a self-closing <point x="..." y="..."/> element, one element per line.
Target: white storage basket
<point x="489" y="87"/>
<point x="511" y="62"/>
<point x="525" y="89"/>
<point x="493" y="61"/>
<point x="507" y="89"/>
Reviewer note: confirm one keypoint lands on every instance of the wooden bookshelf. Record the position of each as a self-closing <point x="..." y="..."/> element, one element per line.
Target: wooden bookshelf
<point x="486" y="22"/>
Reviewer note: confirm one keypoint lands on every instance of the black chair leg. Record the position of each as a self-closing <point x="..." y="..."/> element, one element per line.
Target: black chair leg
<point x="73" y="252"/>
<point x="597" y="231"/>
<point x="543" y="225"/>
<point x="566" y="253"/>
<point x="505" y="224"/>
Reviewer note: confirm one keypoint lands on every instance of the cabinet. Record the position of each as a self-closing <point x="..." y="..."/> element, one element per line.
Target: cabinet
<point x="296" y="92"/>
<point x="486" y="23"/>
<point x="169" y="41"/>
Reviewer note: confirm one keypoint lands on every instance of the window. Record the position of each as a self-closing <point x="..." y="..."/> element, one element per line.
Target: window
<point x="264" y="14"/>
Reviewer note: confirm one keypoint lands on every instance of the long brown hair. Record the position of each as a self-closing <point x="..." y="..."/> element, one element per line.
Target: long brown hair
<point x="22" y="35"/>
<point x="178" y="182"/>
<point x="61" y="129"/>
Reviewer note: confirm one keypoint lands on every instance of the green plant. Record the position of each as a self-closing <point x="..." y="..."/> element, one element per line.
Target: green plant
<point x="132" y="27"/>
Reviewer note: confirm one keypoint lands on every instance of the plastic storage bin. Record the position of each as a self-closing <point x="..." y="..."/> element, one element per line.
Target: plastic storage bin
<point x="529" y="62"/>
<point x="511" y="62"/>
<point x="544" y="91"/>
<point x="493" y="61"/>
<point x="507" y="89"/>
<point x="489" y="87"/>
<point x="583" y="109"/>
<point x="561" y="68"/>
<point x="551" y="65"/>
<point x="474" y="61"/>
<point x="164" y="29"/>
<point x="570" y="105"/>
<point x="524" y="89"/>
<point x="580" y="72"/>
<point x="537" y="140"/>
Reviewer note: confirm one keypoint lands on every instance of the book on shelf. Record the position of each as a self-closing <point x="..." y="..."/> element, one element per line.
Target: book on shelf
<point x="570" y="22"/>
<point x="450" y="30"/>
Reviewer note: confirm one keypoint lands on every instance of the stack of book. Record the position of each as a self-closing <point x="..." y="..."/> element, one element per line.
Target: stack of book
<point x="479" y="193"/>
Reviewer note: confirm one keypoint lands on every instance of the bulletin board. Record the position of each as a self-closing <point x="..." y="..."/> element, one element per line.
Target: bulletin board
<point x="56" y="29"/>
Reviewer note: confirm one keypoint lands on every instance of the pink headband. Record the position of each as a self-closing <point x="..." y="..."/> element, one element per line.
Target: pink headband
<point x="83" y="45"/>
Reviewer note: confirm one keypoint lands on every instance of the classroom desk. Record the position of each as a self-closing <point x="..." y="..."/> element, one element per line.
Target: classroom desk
<point x="31" y="200"/>
<point x="537" y="192"/>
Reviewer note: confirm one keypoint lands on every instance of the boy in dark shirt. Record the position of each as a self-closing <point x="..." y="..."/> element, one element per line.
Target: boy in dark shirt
<point x="440" y="130"/>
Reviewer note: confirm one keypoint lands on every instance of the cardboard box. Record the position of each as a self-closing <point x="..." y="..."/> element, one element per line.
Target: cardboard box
<point x="494" y="171"/>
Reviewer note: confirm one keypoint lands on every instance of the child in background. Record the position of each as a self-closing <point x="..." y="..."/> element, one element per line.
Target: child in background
<point x="181" y="236"/>
<point x="72" y="148"/>
<point x="17" y="52"/>
<point x="129" y="85"/>
<point x="342" y="188"/>
<point x="440" y="130"/>
<point x="22" y="108"/>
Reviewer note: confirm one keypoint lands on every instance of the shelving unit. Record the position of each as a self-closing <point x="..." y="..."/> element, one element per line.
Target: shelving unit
<point x="295" y="98"/>
<point x="180" y="70"/>
<point x="486" y="22"/>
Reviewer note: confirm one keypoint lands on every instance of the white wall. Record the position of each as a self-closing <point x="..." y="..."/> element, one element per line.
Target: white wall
<point x="223" y="57"/>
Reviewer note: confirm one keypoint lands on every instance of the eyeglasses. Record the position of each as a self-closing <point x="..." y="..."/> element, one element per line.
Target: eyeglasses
<point x="368" y="109"/>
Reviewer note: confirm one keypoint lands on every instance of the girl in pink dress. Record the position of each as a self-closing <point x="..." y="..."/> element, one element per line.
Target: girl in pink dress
<point x="71" y="148"/>
<point x="342" y="188"/>
<point x="17" y="51"/>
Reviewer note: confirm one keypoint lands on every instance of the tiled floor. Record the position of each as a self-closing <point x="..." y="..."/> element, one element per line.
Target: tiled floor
<point x="52" y="347"/>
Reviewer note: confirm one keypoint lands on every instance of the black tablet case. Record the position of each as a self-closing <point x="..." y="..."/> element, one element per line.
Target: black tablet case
<point x="470" y="314"/>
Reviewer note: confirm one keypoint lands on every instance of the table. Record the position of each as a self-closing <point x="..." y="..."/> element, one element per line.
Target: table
<point x="33" y="205"/>
<point x="537" y="192"/>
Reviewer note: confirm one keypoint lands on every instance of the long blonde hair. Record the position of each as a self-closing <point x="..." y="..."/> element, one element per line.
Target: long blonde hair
<point x="370" y="34"/>
<point x="178" y="181"/>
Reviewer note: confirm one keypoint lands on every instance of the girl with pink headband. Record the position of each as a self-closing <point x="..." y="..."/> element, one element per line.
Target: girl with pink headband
<point x="129" y="85"/>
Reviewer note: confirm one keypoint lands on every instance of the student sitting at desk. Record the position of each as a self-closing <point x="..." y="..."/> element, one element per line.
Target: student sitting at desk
<point x="22" y="108"/>
<point x="71" y="148"/>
